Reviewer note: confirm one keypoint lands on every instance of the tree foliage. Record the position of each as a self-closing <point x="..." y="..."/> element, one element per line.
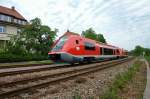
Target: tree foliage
<point x="34" y="38"/>
<point x="139" y="50"/>
<point x="90" y="33"/>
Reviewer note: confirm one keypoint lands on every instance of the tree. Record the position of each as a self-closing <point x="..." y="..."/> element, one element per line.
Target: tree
<point x="138" y="50"/>
<point x="90" y="33"/>
<point x="31" y="38"/>
<point x="147" y="51"/>
<point x="101" y="38"/>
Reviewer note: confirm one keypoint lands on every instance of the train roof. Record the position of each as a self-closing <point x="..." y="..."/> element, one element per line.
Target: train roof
<point x="98" y="43"/>
<point x="68" y="33"/>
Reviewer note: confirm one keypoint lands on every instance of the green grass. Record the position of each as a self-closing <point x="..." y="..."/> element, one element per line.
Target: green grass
<point x="120" y="81"/>
<point x="38" y="62"/>
<point x="148" y="58"/>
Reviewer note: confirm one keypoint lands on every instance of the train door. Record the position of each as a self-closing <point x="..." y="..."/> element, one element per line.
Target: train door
<point x="100" y="51"/>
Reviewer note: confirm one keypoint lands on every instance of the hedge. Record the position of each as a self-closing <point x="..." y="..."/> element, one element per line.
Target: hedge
<point x="20" y="58"/>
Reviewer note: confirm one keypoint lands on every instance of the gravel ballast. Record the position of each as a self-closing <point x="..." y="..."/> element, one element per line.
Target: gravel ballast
<point x="93" y="84"/>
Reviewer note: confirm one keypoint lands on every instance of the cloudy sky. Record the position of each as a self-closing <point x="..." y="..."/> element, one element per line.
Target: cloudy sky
<point x="124" y="23"/>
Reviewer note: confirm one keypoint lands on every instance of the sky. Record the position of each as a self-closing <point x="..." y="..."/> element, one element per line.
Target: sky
<point x="124" y="23"/>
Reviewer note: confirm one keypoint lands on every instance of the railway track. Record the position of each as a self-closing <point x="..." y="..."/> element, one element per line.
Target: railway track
<point x="23" y="70"/>
<point x="53" y="78"/>
<point x="13" y="65"/>
<point x="30" y="69"/>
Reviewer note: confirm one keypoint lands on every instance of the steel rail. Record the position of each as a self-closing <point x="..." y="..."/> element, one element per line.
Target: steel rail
<point x="40" y="68"/>
<point x="49" y="75"/>
<point x="10" y="73"/>
<point x="5" y="66"/>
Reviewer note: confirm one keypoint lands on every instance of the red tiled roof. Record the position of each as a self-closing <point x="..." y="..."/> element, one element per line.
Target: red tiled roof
<point x="11" y="12"/>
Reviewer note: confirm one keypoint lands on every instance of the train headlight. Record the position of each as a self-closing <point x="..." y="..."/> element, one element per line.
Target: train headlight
<point x="77" y="48"/>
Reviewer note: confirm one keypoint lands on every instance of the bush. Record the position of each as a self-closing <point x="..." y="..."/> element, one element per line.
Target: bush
<point x="4" y="57"/>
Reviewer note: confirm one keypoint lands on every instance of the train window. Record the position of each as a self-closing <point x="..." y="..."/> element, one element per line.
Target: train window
<point x="89" y="46"/>
<point x="108" y="51"/>
<point x="60" y="43"/>
<point x="117" y="51"/>
<point x="114" y="52"/>
<point x="77" y="42"/>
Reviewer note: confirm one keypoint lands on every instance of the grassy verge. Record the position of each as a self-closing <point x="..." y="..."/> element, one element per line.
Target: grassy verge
<point x="38" y="62"/>
<point x="148" y="58"/>
<point x="120" y="81"/>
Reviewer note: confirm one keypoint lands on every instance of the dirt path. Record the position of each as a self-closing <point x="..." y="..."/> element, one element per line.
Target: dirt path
<point x="147" y="90"/>
<point x="134" y="89"/>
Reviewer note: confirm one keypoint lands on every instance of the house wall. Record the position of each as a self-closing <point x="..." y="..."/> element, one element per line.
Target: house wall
<point x="2" y="44"/>
<point x="4" y="37"/>
<point x="10" y="31"/>
<point x="10" y="21"/>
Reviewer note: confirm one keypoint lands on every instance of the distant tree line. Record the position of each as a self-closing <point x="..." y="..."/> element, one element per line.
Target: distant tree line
<point x="139" y="50"/>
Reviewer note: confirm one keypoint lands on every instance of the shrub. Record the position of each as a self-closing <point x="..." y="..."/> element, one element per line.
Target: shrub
<point x="4" y="57"/>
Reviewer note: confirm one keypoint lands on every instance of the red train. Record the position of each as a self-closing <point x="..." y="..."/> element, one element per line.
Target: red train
<point x="73" y="48"/>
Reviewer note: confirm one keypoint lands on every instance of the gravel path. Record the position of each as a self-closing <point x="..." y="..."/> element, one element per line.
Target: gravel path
<point x="147" y="90"/>
<point x="134" y="89"/>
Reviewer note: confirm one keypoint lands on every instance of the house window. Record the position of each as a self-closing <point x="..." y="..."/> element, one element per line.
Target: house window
<point x="8" y="18"/>
<point x="2" y="29"/>
<point x="24" y="22"/>
<point x="2" y="17"/>
<point x="19" y="21"/>
<point x="15" y="20"/>
<point x="5" y="18"/>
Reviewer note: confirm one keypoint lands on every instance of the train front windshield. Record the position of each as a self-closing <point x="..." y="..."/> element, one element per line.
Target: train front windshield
<point x="60" y="44"/>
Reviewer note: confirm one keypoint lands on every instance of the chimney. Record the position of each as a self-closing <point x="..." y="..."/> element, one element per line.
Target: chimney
<point x="13" y="8"/>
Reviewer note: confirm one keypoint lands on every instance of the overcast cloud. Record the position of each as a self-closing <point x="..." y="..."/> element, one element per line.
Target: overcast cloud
<point x="124" y="23"/>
